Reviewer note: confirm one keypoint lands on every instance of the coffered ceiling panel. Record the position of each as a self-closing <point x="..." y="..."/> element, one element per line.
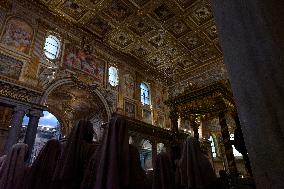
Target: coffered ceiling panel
<point x="172" y="37"/>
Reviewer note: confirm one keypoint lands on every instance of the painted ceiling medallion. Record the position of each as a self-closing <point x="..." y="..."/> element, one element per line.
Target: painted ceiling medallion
<point x="193" y="41"/>
<point x="118" y="10"/>
<point x="99" y="26"/>
<point x="201" y="13"/>
<point x="178" y="28"/>
<point x="120" y="39"/>
<point x="140" y="26"/>
<point x="73" y="9"/>
<point x="163" y="12"/>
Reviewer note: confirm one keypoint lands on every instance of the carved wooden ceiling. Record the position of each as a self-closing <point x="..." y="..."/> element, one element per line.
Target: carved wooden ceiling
<point x="171" y="36"/>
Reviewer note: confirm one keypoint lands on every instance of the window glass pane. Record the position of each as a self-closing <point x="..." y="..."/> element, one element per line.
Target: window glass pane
<point x="113" y="76"/>
<point x="213" y="148"/>
<point x="51" y="47"/>
<point x="145" y="97"/>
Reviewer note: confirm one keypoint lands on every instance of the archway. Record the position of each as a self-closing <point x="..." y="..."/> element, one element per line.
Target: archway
<point x="48" y="128"/>
<point x="71" y="101"/>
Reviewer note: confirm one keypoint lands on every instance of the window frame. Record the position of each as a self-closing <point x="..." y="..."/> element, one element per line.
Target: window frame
<point x="57" y="39"/>
<point x="117" y="78"/>
<point x="149" y="94"/>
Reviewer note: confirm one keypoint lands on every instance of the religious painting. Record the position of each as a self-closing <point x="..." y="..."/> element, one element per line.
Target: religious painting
<point x="18" y="35"/>
<point x="160" y="98"/>
<point x="78" y="59"/>
<point x="160" y="121"/>
<point x="129" y="86"/>
<point x="10" y="67"/>
<point x="129" y="108"/>
<point x="147" y="116"/>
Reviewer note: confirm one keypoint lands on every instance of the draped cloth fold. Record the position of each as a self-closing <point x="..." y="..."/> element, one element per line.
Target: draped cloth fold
<point x="70" y="168"/>
<point x="194" y="168"/>
<point x="42" y="170"/>
<point x="164" y="176"/>
<point x="113" y="164"/>
<point x="14" y="167"/>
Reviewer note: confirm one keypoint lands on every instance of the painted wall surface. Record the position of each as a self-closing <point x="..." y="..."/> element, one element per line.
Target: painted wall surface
<point x="22" y="59"/>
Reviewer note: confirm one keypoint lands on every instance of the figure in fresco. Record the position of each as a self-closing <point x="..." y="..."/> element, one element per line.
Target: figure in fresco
<point x="129" y="86"/>
<point x="160" y="98"/>
<point x="18" y="35"/>
<point x="76" y="58"/>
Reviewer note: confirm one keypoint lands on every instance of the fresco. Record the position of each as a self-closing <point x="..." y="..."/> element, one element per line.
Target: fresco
<point x="77" y="59"/>
<point x="129" y="109"/>
<point x="10" y="67"/>
<point x="160" y="98"/>
<point x="18" y="35"/>
<point x="147" y="116"/>
<point x="129" y="86"/>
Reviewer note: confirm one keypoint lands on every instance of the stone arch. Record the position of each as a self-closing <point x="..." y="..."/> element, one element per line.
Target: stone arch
<point x="63" y="81"/>
<point x="88" y="101"/>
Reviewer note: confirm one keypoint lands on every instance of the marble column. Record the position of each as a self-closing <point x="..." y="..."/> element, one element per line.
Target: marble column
<point x="227" y="144"/>
<point x="251" y="35"/>
<point x="16" y="125"/>
<point x="34" y="116"/>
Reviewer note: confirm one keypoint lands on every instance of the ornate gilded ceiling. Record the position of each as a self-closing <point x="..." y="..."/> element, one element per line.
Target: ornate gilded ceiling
<point x="171" y="36"/>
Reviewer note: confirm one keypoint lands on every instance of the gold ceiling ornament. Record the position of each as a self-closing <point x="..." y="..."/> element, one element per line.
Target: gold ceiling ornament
<point x="171" y="37"/>
<point x="203" y="101"/>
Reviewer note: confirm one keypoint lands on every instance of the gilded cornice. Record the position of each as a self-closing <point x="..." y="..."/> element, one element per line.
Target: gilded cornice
<point x="18" y="91"/>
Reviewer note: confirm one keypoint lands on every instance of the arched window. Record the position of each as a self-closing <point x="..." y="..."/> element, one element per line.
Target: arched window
<point x="235" y="151"/>
<point x="51" y="47"/>
<point x="213" y="148"/>
<point x="145" y="94"/>
<point x="112" y="76"/>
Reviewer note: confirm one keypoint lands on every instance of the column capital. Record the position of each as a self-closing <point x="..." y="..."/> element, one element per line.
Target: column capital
<point x="35" y="113"/>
